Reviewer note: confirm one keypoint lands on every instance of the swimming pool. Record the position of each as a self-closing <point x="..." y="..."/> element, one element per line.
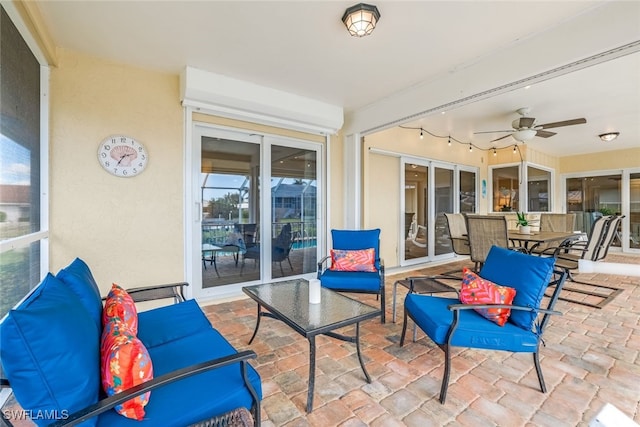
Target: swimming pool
<point x="306" y="243"/>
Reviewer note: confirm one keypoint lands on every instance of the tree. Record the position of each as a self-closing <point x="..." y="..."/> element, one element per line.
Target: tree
<point x="222" y="207"/>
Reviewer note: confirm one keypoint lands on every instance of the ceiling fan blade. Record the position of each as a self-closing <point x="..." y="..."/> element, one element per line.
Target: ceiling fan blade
<point x="502" y="137"/>
<point x="564" y="123"/>
<point x="544" y="134"/>
<point x="493" y="131"/>
<point x="526" y="122"/>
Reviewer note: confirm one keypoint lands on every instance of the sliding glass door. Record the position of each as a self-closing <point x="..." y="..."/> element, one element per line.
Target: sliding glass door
<point x="432" y="189"/>
<point x="256" y="216"/>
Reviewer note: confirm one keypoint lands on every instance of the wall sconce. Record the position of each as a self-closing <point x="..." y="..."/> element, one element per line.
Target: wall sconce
<point x="609" y="136"/>
<point x="361" y="19"/>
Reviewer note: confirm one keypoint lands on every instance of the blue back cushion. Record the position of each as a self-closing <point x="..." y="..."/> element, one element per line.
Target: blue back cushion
<point x="49" y="347"/>
<point x="79" y="279"/>
<point x="357" y="239"/>
<point x="529" y="275"/>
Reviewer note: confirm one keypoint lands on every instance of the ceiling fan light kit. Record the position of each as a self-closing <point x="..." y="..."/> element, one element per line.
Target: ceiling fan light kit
<point x="361" y="19"/>
<point x="524" y="135"/>
<point x="609" y="136"/>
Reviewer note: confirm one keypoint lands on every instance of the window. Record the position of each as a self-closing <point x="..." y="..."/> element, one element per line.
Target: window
<point x="22" y="163"/>
<point x="538" y="182"/>
<point x="506" y="191"/>
<point x="590" y="197"/>
<point x="521" y="187"/>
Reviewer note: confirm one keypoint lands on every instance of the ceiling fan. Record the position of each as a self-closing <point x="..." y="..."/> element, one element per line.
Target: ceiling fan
<point x="525" y="128"/>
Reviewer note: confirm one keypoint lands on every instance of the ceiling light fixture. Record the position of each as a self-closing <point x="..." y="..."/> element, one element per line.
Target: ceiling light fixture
<point x="524" y="135"/>
<point x="609" y="136"/>
<point x="421" y="134"/>
<point x="361" y="19"/>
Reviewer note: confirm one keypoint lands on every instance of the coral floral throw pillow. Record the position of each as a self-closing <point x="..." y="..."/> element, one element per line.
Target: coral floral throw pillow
<point x="476" y="290"/>
<point x="125" y="363"/>
<point x="353" y="260"/>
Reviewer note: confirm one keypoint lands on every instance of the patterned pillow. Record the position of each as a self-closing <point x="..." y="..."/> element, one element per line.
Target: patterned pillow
<point x="476" y="290"/>
<point x="124" y="363"/>
<point x="356" y="260"/>
<point x="119" y="304"/>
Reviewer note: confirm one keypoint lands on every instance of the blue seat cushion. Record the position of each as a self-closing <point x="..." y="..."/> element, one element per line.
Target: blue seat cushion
<point x="195" y="398"/>
<point x="169" y="323"/>
<point x="432" y="315"/>
<point x="529" y="275"/>
<point x="77" y="276"/>
<point x="358" y="281"/>
<point x="50" y="351"/>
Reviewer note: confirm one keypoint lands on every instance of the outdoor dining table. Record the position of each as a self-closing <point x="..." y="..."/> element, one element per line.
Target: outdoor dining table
<point x="531" y="241"/>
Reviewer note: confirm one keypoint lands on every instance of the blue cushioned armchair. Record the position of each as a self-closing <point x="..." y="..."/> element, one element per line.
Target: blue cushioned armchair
<point x="355" y="281"/>
<point x="452" y="324"/>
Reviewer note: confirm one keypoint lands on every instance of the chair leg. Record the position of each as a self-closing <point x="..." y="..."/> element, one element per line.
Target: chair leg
<point x="383" y="304"/>
<point x="404" y="328"/>
<point x="445" y="376"/>
<point x="536" y="362"/>
<point x="290" y="265"/>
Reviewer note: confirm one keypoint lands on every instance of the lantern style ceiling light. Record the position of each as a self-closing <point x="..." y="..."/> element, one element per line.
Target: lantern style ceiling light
<point x="361" y="19"/>
<point x="609" y="136"/>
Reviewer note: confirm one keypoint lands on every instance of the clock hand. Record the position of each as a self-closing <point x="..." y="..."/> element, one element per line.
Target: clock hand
<point x="122" y="158"/>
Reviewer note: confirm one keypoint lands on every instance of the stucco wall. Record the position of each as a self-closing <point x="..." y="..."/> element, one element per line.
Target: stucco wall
<point x="607" y="160"/>
<point x="129" y="230"/>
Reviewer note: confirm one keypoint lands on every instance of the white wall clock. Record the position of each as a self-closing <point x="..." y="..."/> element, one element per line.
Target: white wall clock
<point x="122" y="156"/>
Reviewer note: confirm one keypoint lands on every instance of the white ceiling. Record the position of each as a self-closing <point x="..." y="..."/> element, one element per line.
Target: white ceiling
<point x="302" y="47"/>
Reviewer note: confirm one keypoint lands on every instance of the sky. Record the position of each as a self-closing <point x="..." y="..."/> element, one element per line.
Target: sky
<point x="15" y="163"/>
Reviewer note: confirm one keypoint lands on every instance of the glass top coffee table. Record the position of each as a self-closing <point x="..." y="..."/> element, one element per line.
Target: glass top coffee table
<point x="289" y="302"/>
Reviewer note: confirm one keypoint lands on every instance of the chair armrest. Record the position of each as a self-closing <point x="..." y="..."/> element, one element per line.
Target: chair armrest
<point x="320" y="269"/>
<point x="457" y="307"/>
<point x="150" y="293"/>
<point x="437" y="278"/>
<point x="118" y="398"/>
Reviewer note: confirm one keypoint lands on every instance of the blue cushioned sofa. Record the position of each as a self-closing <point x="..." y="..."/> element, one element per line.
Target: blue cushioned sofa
<point x="50" y="353"/>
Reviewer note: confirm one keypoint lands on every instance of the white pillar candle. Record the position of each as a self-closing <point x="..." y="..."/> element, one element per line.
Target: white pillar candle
<point x="314" y="291"/>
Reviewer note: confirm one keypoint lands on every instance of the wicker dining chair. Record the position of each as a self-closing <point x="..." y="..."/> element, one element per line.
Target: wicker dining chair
<point x="483" y="232"/>
<point x="458" y="233"/>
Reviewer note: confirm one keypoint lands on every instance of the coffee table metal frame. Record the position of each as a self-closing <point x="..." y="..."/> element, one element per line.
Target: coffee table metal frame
<point x="288" y="302"/>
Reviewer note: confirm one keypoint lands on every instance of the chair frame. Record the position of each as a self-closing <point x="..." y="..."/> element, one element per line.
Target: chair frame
<point x="594" y="249"/>
<point x="379" y="293"/>
<point x="558" y="281"/>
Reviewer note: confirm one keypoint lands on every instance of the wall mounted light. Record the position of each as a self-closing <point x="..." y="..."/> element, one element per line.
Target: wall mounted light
<point x="361" y="19"/>
<point x="609" y="136"/>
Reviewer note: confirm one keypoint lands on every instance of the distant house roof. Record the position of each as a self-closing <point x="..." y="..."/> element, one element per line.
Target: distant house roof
<point x="293" y="190"/>
<point x="14" y="194"/>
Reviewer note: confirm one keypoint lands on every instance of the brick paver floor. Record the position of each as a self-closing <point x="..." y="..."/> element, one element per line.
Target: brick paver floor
<point x="591" y="357"/>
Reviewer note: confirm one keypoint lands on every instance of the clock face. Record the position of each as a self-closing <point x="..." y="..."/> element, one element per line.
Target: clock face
<point x="122" y="156"/>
